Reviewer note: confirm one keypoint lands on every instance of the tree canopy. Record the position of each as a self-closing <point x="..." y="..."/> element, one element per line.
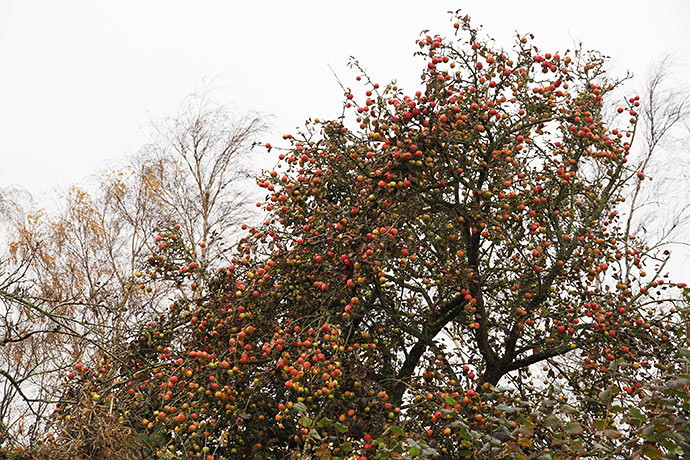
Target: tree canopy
<point x="444" y="274"/>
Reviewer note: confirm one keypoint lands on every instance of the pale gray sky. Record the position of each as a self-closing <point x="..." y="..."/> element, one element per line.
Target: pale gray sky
<point x="79" y="80"/>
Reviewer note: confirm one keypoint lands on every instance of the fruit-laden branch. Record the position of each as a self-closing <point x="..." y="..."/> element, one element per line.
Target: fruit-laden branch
<point x="507" y="361"/>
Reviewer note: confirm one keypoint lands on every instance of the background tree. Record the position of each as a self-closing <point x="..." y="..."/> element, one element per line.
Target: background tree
<point x="664" y="114"/>
<point x="201" y="161"/>
<point x="72" y="291"/>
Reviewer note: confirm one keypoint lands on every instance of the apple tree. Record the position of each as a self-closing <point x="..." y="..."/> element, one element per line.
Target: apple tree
<point x="444" y="273"/>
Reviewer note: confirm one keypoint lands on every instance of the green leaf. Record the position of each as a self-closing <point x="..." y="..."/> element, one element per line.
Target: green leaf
<point x="396" y="430"/>
<point x="346" y="446"/>
<point x="574" y="428"/>
<point x="651" y="452"/>
<point x="599" y="424"/>
<point x="340" y="427"/>
<point x="617" y="409"/>
<point x="526" y="431"/>
<point x="450" y="401"/>
<point x="568" y="409"/>
<point x="684" y="352"/>
<point x="635" y="413"/>
<point x="552" y="421"/>
<point x="414" y="449"/>
<point x="661" y="427"/>
<point x="525" y="442"/>
<point x="522" y="420"/>
<point x="605" y="396"/>
<point x="612" y="434"/>
<point x="324" y="422"/>
<point x="505" y="408"/>
<point x="299" y="407"/>
<point x="306" y="422"/>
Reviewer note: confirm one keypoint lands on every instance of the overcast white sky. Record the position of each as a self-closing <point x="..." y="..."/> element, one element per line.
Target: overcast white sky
<point x="79" y="80"/>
